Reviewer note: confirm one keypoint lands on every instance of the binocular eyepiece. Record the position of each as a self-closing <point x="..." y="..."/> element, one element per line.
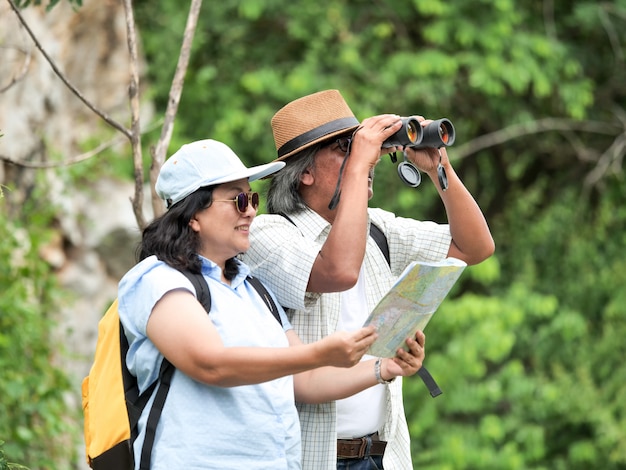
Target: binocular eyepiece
<point x="439" y="133"/>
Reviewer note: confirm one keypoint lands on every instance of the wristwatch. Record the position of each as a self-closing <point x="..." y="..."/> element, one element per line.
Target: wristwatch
<point x="379" y="377"/>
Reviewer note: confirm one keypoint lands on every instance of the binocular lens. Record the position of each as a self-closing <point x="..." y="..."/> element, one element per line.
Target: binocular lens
<point x="412" y="132"/>
<point x="444" y="135"/>
<point x="409" y="134"/>
<point x="439" y="133"/>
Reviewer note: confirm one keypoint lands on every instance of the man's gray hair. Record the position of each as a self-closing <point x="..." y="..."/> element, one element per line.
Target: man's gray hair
<point x="283" y="195"/>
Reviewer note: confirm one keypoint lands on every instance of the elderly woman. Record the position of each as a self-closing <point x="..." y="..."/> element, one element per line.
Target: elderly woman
<point x="231" y="399"/>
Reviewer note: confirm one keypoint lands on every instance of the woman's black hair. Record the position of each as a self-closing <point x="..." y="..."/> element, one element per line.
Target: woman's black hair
<point x="171" y="239"/>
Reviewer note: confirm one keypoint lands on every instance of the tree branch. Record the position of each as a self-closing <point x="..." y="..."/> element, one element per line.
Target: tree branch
<point x="74" y="90"/>
<point x="78" y="158"/>
<point x="22" y="73"/>
<point x="614" y="37"/>
<point x="133" y="134"/>
<point x="71" y="161"/>
<point x="158" y="153"/>
<point x="610" y="161"/>
<point x="533" y="127"/>
<point x="133" y="96"/>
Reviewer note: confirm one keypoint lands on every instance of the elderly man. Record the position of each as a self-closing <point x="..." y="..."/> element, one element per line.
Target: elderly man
<point x="314" y="251"/>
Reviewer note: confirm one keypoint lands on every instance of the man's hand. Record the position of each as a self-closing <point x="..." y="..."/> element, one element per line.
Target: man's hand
<point x="427" y="159"/>
<point x="369" y="137"/>
<point x="406" y="363"/>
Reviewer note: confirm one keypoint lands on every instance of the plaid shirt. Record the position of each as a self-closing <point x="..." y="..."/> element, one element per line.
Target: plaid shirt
<point x="282" y="254"/>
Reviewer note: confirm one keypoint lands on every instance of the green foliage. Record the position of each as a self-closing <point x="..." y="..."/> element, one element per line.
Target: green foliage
<point x="495" y="64"/>
<point x="33" y="410"/>
<point x="5" y="464"/>
<point x="50" y="6"/>
<point x="524" y="387"/>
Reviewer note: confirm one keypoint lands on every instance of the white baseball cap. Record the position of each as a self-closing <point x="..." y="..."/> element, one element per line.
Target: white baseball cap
<point x="204" y="163"/>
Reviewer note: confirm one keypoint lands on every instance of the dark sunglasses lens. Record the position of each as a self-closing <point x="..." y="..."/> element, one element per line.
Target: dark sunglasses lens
<point x="255" y="200"/>
<point x="242" y="202"/>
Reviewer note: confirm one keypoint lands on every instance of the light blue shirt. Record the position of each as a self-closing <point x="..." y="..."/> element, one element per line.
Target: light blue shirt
<point x="202" y="426"/>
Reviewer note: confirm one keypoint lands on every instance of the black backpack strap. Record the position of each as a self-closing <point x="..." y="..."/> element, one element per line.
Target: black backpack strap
<point x="287" y="217"/>
<point x="429" y="381"/>
<point x="165" y="379"/>
<point x="375" y="232"/>
<point x="202" y="288"/>
<point x="381" y="240"/>
<point x="204" y="294"/>
<point x="265" y="295"/>
<point x="135" y="403"/>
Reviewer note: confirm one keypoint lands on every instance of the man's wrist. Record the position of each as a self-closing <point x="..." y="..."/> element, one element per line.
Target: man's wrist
<point x="377" y="372"/>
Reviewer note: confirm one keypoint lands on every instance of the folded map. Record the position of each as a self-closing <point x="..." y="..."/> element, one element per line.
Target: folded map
<point x="411" y="302"/>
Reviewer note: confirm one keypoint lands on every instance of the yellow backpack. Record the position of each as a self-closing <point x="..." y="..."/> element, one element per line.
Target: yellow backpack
<point x="112" y="404"/>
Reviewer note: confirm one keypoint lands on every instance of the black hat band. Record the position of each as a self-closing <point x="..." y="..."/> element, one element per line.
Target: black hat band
<point x="316" y="134"/>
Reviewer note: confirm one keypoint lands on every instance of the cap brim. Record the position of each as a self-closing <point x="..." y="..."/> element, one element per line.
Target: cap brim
<point x="252" y="173"/>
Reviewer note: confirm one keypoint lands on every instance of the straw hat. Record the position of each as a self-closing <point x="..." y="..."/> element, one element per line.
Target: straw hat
<point x="309" y="120"/>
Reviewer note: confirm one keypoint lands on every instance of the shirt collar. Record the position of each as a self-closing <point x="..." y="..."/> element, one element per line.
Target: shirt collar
<point x="310" y="223"/>
<point x="212" y="270"/>
<point x="314" y="225"/>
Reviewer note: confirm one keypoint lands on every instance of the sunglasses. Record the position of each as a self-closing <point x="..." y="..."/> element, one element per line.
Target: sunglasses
<point x="342" y="143"/>
<point x="242" y="200"/>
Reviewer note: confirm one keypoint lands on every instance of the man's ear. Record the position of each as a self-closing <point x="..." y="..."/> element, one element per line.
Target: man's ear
<point x="307" y="178"/>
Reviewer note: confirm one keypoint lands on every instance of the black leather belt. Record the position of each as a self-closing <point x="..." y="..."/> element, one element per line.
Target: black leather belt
<point x="357" y="448"/>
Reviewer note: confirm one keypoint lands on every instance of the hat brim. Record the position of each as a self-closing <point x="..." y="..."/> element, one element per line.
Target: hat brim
<point x="252" y="173"/>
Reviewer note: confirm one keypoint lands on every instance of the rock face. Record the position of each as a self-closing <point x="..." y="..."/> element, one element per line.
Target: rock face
<point x="42" y="121"/>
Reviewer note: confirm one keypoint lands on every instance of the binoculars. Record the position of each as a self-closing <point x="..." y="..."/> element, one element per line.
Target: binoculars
<point x="437" y="134"/>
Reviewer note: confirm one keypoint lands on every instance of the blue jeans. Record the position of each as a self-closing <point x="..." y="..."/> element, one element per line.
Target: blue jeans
<point x="373" y="462"/>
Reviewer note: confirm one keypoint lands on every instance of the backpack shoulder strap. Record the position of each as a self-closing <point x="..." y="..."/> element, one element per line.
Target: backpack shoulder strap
<point x="204" y="294"/>
<point x="286" y="217"/>
<point x="265" y="295"/>
<point x="165" y="379"/>
<point x="381" y="240"/>
<point x="202" y="288"/>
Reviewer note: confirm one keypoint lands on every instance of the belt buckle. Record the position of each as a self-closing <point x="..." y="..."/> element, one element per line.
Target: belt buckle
<point x="363" y="447"/>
